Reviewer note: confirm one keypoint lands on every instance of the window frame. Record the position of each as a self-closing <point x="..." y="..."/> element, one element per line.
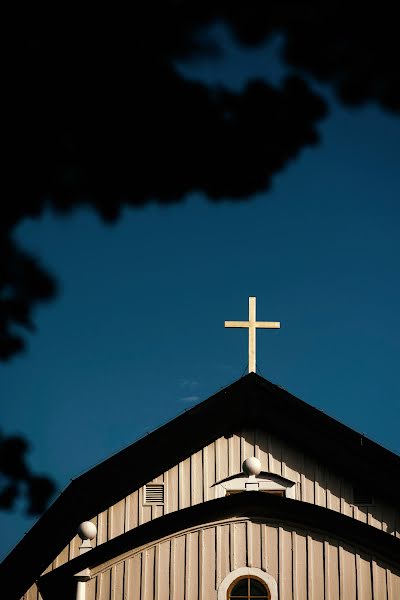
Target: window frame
<point x="248" y="597"/>
<point x="257" y="573"/>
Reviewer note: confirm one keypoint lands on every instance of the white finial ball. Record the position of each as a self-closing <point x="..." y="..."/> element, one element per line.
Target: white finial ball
<point x="87" y="530"/>
<point x="252" y="466"/>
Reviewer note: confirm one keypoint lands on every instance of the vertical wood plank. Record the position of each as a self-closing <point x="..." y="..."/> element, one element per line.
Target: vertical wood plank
<point x="185" y="483"/>
<point x="320" y="485"/>
<point x="292" y="460"/>
<point x="249" y="443"/>
<point x="157" y="572"/>
<point x="180" y="486"/>
<point x="208" y="580"/>
<point x="285" y="564"/>
<point x="272" y="551"/>
<point x="206" y="483"/>
<point x="395" y="583"/>
<point x="264" y="551"/>
<point x="232" y="544"/>
<point x="310" y="569"/>
<point x="132" y="511"/>
<point x="163" y="571"/>
<point x="358" y="577"/>
<point x="349" y="574"/>
<point x="192" y="570"/>
<point x="117" y="581"/>
<point x="360" y="513"/>
<point x="157" y="510"/>
<point x="148" y="557"/>
<point x="235" y="466"/>
<point x="318" y="584"/>
<point x="379" y="581"/>
<point x="104" y="583"/>
<point x="218" y="555"/>
<point x="389" y="583"/>
<point x="333" y="493"/>
<point x="346" y="498"/>
<point x="332" y="568"/>
<point x="240" y="554"/>
<point x="263" y="449"/>
<point x="196" y="465"/>
<point x="128" y="580"/>
<point x="172" y="556"/>
<point x="172" y="486"/>
<point x="211" y="471"/>
<point x="341" y="573"/>
<point x="326" y="571"/>
<point x="116" y="518"/>
<point x="388" y="519"/>
<point x="179" y="568"/>
<point x="187" y="569"/>
<point x="256" y="544"/>
<point x="222" y="454"/>
<point x="308" y="490"/>
<point x="300" y="566"/>
<point x="201" y="565"/>
<point x="91" y="589"/>
<point x="295" y="570"/>
<point x="257" y="447"/>
<point x="375" y="516"/>
<point x="76" y="542"/>
<point x="275" y="455"/>
<point x="223" y="552"/>
<point x="280" y="562"/>
<point x="134" y="570"/>
<point x="364" y="582"/>
<point x="249" y="544"/>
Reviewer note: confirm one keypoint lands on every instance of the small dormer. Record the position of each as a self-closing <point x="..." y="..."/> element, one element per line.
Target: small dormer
<point x="253" y="479"/>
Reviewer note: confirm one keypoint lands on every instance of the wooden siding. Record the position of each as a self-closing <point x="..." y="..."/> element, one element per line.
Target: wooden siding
<point x="193" y="481"/>
<point x="192" y="565"/>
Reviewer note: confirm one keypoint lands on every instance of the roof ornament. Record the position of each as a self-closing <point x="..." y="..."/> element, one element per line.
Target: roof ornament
<point x="252" y="466"/>
<point x="252" y="325"/>
<point x="86" y="531"/>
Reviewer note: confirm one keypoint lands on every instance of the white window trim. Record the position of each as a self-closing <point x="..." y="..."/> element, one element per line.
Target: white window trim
<point x="249" y="572"/>
<point x="264" y="483"/>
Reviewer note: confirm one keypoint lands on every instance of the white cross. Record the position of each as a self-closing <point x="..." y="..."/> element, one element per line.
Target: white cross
<point x="252" y="325"/>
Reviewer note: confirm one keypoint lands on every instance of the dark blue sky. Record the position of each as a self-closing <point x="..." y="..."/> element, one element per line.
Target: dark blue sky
<point x="136" y="334"/>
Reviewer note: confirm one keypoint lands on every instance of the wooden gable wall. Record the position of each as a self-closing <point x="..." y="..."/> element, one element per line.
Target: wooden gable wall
<point x="191" y="565"/>
<point x="192" y="481"/>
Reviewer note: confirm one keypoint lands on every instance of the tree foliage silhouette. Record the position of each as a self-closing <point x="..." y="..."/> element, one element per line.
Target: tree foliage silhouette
<point x="17" y="480"/>
<point x="98" y="114"/>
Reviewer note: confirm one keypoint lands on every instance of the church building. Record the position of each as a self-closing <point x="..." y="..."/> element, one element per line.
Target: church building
<point x="251" y="494"/>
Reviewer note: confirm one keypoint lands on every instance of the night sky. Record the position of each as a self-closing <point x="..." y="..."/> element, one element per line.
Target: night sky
<point x="136" y="333"/>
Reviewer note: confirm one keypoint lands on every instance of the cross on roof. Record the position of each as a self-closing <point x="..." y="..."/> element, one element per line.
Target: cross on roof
<point x="252" y="325"/>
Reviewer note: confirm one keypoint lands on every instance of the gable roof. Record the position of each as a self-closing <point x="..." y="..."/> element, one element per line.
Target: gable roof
<point x="250" y="401"/>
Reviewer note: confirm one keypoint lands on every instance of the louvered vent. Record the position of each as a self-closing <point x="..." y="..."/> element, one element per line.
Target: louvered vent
<point x="154" y="493"/>
<point x="362" y="497"/>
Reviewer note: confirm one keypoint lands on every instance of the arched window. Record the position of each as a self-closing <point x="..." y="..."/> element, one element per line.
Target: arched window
<point x="248" y="588"/>
<point x="248" y="583"/>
